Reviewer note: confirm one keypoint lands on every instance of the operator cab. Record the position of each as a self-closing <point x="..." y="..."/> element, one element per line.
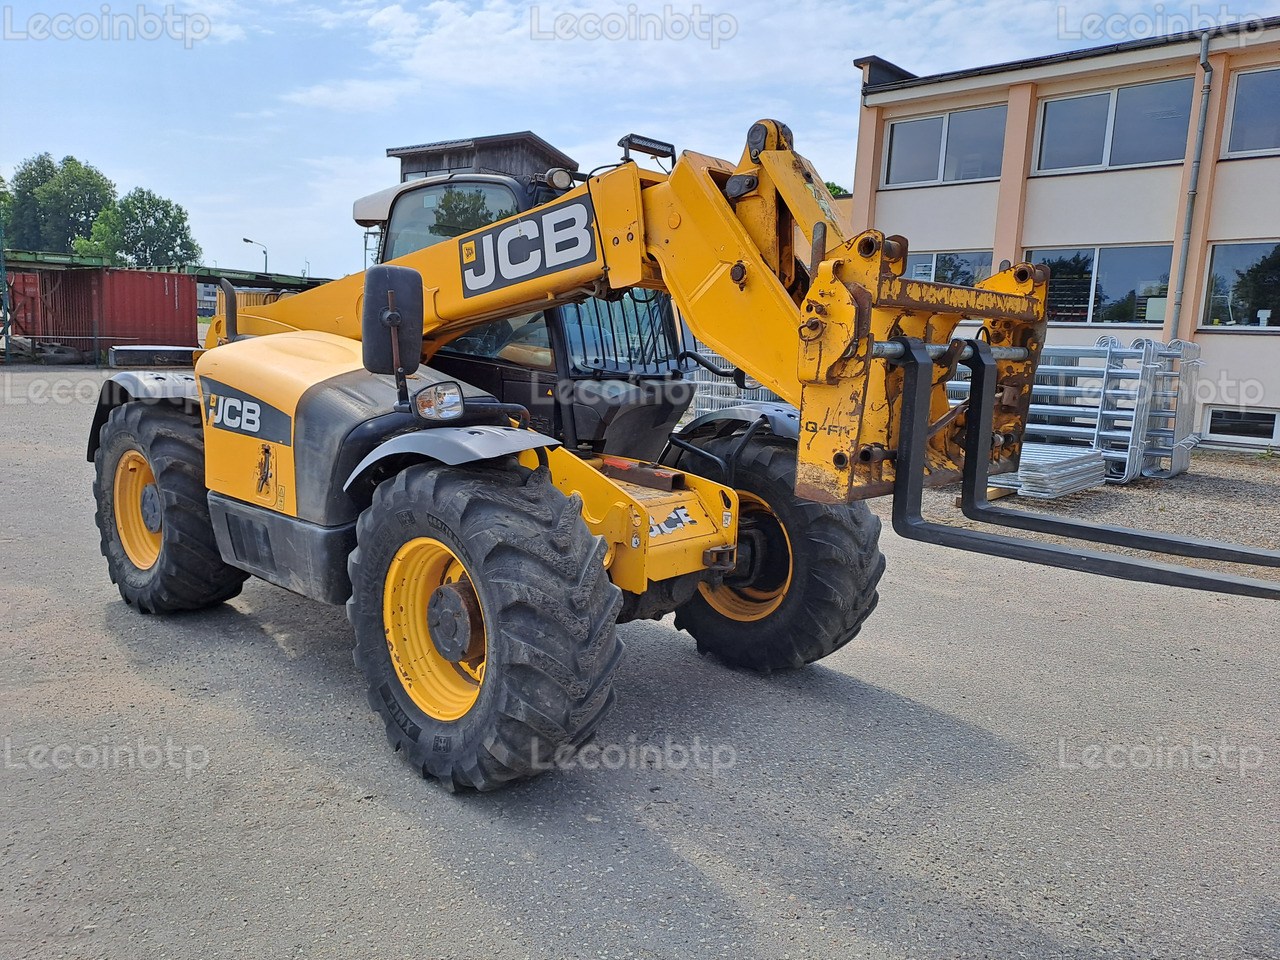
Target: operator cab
<point x="603" y="376"/>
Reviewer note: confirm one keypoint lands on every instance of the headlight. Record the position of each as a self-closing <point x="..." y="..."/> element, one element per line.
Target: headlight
<point x="440" y="401"/>
<point x="559" y="178"/>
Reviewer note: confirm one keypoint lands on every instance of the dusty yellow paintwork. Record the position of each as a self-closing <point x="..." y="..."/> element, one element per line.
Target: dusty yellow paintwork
<point x="631" y="519"/>
<point x="276" y="371"/>
<point x="850" y="403"/>
<point x="738" y="272"/>
<point x="132" y="478"/>
<point x="441" y="689"/>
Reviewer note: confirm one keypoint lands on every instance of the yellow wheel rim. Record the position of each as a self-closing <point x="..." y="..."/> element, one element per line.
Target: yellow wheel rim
<point x="748" y="603"/>
<point x="137" y="509"/>
<point x="441" y="688"/>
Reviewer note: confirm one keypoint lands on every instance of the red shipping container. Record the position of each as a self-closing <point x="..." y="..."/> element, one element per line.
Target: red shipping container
<point x="25" y="302"/>
<point x="100" y="308"/>
<point x="141" y="307"/>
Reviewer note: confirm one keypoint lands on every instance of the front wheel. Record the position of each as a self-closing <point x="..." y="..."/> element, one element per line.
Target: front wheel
<point x="807" y="572"/>
<point x="153" y="512"/>
<point x="484" y="621"/>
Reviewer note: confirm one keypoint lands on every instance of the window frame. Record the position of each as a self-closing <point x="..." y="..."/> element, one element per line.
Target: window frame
<point x="1229" y="125"/>
<point x="1251" y="329"/>
<point x="938" y="180"/>
<point x="1114" y="97"/>
<point x="935" y="254"/>
<point x="1226" y="438"/>
<point x="1097" y="249"/>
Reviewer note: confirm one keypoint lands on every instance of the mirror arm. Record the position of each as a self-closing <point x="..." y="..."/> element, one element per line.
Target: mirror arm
<point x="391" y="317"/>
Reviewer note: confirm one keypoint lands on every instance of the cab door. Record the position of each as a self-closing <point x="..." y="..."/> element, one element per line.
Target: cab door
<point x="511" y="359"/>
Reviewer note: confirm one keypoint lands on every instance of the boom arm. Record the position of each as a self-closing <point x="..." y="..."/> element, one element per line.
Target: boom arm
<point x="863" y="351"/>
<point x="721" y="239"/>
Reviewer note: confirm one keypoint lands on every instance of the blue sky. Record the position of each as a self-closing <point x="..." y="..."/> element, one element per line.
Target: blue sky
<point x="275" y="121"/>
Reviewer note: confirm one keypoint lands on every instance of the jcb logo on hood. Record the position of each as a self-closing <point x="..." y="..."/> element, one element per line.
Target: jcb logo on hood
<point x="553" y="239"/>
<point x="229" y="409"/>
<point x="234" y="414"/>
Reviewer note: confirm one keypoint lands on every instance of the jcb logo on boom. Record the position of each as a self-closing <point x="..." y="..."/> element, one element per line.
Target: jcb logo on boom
<point x="553" y="239"/>
<point x="235" y="414"/>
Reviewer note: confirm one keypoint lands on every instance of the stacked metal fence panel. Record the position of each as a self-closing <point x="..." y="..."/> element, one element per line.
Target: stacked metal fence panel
<point x="716" y="393"/>
<point x="1085" y="399"/>
<point x="1048" y="471"/>
<point x="1173" y="411"/>
<point x="1132" y="404"/>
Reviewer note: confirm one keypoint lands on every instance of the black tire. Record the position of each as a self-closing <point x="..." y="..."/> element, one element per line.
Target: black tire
<point x="836" y="565"/>
<point x="548" y="607"/>
<point x="188" y="573"/>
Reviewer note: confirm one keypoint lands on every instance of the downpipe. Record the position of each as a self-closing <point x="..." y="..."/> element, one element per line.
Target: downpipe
<point x="1193" y="187"/>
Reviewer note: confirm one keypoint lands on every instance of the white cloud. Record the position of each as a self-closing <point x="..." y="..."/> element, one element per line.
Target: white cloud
<point x="351" y="77"/>
<point x="352" y="96"/>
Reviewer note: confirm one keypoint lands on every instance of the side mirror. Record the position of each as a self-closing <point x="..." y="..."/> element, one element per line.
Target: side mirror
<point x="391" y="324"/>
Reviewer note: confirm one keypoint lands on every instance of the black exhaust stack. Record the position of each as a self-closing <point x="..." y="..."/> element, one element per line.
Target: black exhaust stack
<point x="229" y="298"/>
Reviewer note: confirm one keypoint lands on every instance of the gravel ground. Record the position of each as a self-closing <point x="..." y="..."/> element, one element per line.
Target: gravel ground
<point x="1226" y="495"/>
<point x="1010" y="762"/>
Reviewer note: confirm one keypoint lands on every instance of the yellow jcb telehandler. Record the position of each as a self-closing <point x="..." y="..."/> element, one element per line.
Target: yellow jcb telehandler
<point x="475" y="445"/>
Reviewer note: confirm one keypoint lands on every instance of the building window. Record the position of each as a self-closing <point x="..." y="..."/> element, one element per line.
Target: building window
<point x="1255" y="114"/>
<point x="964" y="145"/>
<point x="1244" y="285"/>
<point x="1125" y="127"/>
<point x="959" y="268"/>
<point x="1107" y="284"/>
<point x="1233" y="425"/>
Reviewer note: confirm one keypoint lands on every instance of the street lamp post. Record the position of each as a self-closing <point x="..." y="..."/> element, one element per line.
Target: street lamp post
<point x="264" y="252"/>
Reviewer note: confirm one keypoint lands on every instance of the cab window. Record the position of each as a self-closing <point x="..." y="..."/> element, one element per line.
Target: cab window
<point x="634" y="333"/>
<point x="520" y="340"/>
<point x="430" y="214"/>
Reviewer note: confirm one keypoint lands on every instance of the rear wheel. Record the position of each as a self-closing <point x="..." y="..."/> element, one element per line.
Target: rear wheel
<point x="153" y="513"/>
<point x="807" y="572"/>
<point x="484" y="621"/>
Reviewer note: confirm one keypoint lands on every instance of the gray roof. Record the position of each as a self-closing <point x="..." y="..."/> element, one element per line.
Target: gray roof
<point x="441" y="146"/>
<point x="883" y="76"/>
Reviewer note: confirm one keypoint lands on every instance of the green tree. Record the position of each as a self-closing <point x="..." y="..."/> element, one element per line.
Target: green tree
<point x="26" y="218"/>
<point x="70" y="202"/>
<point x="142" y="229"/>
<point x="1069" y="281"/>
<point x="954" y="268"/>
<point x="836" y="189"/>
<point x="461" y="211"/>
<point x="6" y="201"/>
<point x="1258" y="288"/>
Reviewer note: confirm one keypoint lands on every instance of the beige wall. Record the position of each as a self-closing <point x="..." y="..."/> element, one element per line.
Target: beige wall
<point x="1246" y="200"/>
<point x="1093" y="209"/>
<point x="1238" y="199"/>
<point x="960" y="216"/>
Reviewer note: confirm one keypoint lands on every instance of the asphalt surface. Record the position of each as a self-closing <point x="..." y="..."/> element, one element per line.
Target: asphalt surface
<point x="1010" y="762"/>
